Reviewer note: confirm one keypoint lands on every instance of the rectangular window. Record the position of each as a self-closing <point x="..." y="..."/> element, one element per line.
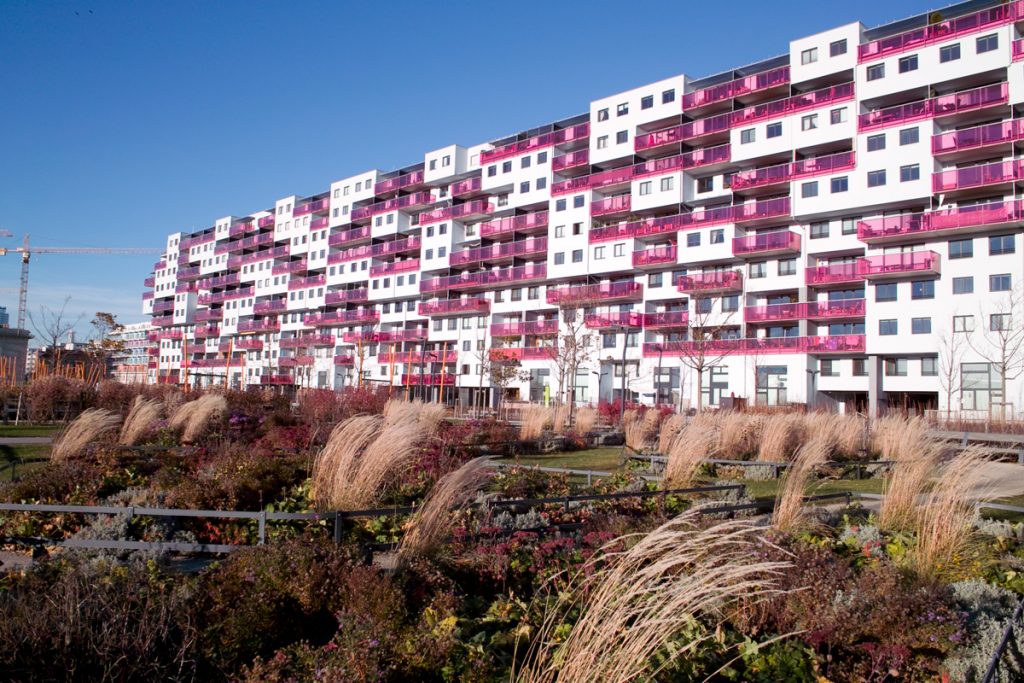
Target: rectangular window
<point x="819" y="230"/>
<point x="602" y="142"/>
<point x="746" y="136"/>
<point x="693" y="239"/>
<point x="809" y="189"/>
<point x="666" y="184"/>
<point x="602" y="114"/>
<point x="706" y="184"/>
<point x="647" y="101"/>
<point x="922" y="289"/>
<point x="920" y="326"/>
<point x="524" y="187"/>
<point x="645" y="188"/>
<point x="908" y="63"/>
<point x="578" y="201"/>
<point x="929" y="367"/>
<point x="560" y="205"/>
<point x="876" y="178"/>
<point x="949" y="53"/>
<point x="909" y="136"/>
<point x="999" y="322"/>
<point x="559" y="231"/>
<point x="598" y="253"/>
<point x="860" y="367"/>
<point x="787" y="266"/>
<point x="559" y="258"/>
<point x="773" y="130"/>
<point x="885" y="292"/>
<point x="896" y="367"/>
<point x="668" y="96"/>
<point x="963" y="285"/>
<point x="654" y="280"/>
<point x="809" y="56"/>
<point x="987" y="43"/>
<point x="837" y="115"/>
<point x="963" y="323"/>
<point x="621" y="137"/>
<point x="757" y="270"/>
<point x="622" y="109"/>
<point x="999" y="283"/>
<point x="829" y="368"/>
<point x="577" y="255"/>
<point x="850" y="226"/>
<point x="525" y="161"/>
<point x="910" y="173"/>
<point x="809" y="122"/>
<point x="837" y="47"/>
<point x="876" y="142"/>
<point x="841" y="184"/>
<point x="618" y="249"/>
<point x="717" y="236"/>
<point x="961" y="249"/>
<point x="876" y="71"/>
<point x="730" y="304"/>
<point x="1000" y="244"/>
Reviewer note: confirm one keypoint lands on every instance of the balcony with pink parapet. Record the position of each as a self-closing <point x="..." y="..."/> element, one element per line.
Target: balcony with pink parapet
<point x="778" y="243"/>
<point x="761" y="178"/>
<point x="646" y="142"/>
<point x="345" y="359"/>
<point x="363" y="316"/>
<point x="973" y="218"/>
<point x="258" y="326"/>
<point x="605" y="292"/>
<point x="349" y="237"/>
<point x="207" y="331"/>
<point x="772" y="313"/>
<point x="811" y="310"/>
<point x="319" y="223"/>
<point x="240" y="345"/>
<point x="712" y="282"/>
<point x="978" y="140"/>
<point x="611" y="206"/>
<point x="761" y="83"/>
<point x="824" y="97"/>
<point x="399" y="182"/>
<point x="511" y="225"/>
<point x="344" y="296"/>
<point x="408" y="202"/>
<point x="840" y="309"/>
<point x="654" y="167"/>
<point x="832" y="274"/>
<point x="241" y="228"/>
<point x="1017" y="50"/>
<point x="613" y="320"/>
<point x="500" y="252"/>
<point x="459" y="212"/>
<point x="294" y="361"/>
<point x="666" y="320"/>
<point x="416" y="357"/>
<point x="942" y="106"/>
<point x="895" y="266"/>
<point x="988" y="176"/>
<point x="656" y="257"/>
<point x="277" y="380"/>
<point x="307" y="340"/>
<point x="507" y="354"/>
<point x="265" y="222"/>
<point x="305" y="282"/>
<point x="846" y="343"/>
<point x="468" y="187"/>
<point x="395" y="267"/>
<point x="316" y="206"/>
<point x="939" y="31"/>
<point x="486" y="279"/>
<point x="429" y="379"/>
<point x="578" y="160"/>
<point x="764" y="211"/>
<point x="451" y="307"/>
<point x="209" y="315"/>
<point x="219" y="281"/>
<point x="535" y="328"/>
<point x="290" y="267"/>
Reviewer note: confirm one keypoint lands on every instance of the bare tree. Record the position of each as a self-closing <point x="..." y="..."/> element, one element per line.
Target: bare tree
<point x="999" y="339"/>
<point x="503" y="368"/>
<point x="951" y="351"/>
<point x="575" y="347"/>
<point x="704" y="350"/>
<point x="53" y="326"/>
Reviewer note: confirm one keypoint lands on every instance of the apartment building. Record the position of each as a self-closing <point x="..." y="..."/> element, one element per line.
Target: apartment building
<point x="133" y="347"/>
<point x="838" y="226"/>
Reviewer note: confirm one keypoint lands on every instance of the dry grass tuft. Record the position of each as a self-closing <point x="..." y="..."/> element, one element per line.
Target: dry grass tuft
<point x="739" y="434"/>
<point x="945" y="523"/>
<point x="586" y="419"/>
<point x="790" y="514"/>
<point x="535" y="418"/>
<point x="782" y="435"/>
<point x="560" y="418"/>
<point x="895" y="437"/>
<point x="691" y="446"/>
<point x="431" y="416"/>
<point x="84" y="430"/>
<point x="339" y="458"/>
<point x="849" y="435"/>
<point x="141" y="420"/>
<point x="194" y="417"/>
<point x="907" y="482"/>
<point x="668" y="431"/>
<point x="638" y="601"/>
<point x="432" y="523"/>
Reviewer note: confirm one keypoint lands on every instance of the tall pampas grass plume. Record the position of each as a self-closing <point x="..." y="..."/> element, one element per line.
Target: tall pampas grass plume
<point x="195" y="417"/>
<point x="141" y="420"/>
<point x="86" y="429"/>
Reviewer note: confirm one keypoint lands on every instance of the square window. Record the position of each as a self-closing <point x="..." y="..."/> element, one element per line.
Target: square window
<point x="907" y="64"/>
<point x="896" y="367"/>
<point x="910" y="173"/>
<point x="622" y="109"/>
<point x="506" y="167"/>
<point x="746" y="136"/>
<point x="909" y="136"/>
<point x="837" y="48"/>
<point x="809" y="189"/>
<point x="929" y="367"/>
<point x="645" y="188"/>
<point x="949" y="53"/>
<point x="524" y="187"/>
<point x="838" y="115"/>
<point x="876" y="71"/>
<point x="850" y="226"/>
<point x="618" y="249"/>
<point x="621" y="137"/>
<point x="758" y="270"/>
<point x="706" y="184"/>
<point x="668" y="96"/>
<point x="647" y="102"/>
<point x="999" y="283"/>
<point x="876" y="142"/>
<point x="829" y="367"/>
<point x="717" y="236"/>
<point x="787" y="266"/>
<point x="525" y="161"/>
<point x="578" y="201"/>
<point x="963" y="285"/>
<point x="888" y="327"/>
<point x="693" y="239"/>
<point x="602" y="114"/>
<point x="559" y="231"/>
<point x="654" y="280"/>
<point x="542" y="158"/>
<point x="885" y="292"/>
<point x="598" y="253"/>
<point x="1000" y="244"/>
<point x="560" y="204"/>
<point x="819" y="230"/>
<point x="963" y="323"/>
<point x="999" y="322"/>
<point x="809" y="56"/>
<point x="841" y="184"/>
<point x="920" y="326"/>
<point x="577" y="255"/>
<point x="542" y="183"/>
<point x="987" y="43"/>
<point x="922" y="289"/>
<point x="876" y="178"/>
<point x="773" y="130"/>
<point x="666" y="184"/>
<point x="809" y="122"/>
<point x="730" y="304"/>
<point x="559" y="258"/>
<point x="961" y="249"/>
<point x="602" y="142"/>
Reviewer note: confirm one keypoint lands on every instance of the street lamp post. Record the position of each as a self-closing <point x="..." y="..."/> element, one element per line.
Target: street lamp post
<point x="657" y="383"/>
<point x="423" y="360"/>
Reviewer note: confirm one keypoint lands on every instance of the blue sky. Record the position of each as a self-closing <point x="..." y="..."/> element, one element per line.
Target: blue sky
<point x="124" y="121"/>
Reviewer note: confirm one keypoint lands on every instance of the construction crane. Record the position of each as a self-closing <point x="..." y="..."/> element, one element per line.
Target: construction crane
<point x="26" y="253"/>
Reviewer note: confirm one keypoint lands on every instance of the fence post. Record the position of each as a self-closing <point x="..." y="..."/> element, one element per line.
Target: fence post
<point x="590" y="478"/>
<point x="337" y="527"/>
<point x="263" y="527"/>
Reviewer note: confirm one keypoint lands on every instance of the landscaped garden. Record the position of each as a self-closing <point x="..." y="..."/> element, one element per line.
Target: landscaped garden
<point x="721" y="546"/>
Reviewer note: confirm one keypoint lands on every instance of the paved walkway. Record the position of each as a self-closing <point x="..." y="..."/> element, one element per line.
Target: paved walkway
<point x="1000" y="480"/>
<point x="24" y="440"/>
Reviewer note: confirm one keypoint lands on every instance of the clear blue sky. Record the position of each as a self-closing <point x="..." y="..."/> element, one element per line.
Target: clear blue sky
<point x="124" y="121"/>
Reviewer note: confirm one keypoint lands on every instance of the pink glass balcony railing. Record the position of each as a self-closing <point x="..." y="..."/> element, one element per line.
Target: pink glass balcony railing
<point x="466" y="186"/>
<point x="707" y="156"/>
<point x="666" y="320"/>
<point x="534" y="272"/>
<point x="833" y="163"/>
<point x="216" y="362"/>
<point x="741" y="86"/>
<point x="840" y="343"/>
<point x="583" y="294"/>
<point x="512" y="224"/>
<point x="978" y="176"/>
<point x="711" y="282"/>
<point x="192" y="272"/>
<point x="978" y="136"/>
<point x="147" y="296"/>
<point x="516" y="148"/>
<point x="658" y="138"/>
<point x="307" y="340"/>
<point x="395" y="267"/>
<point x="239" y="229"/>
<point x="519" y="353"/>
<point x="417" y="357"/>
<point x="277" y="379"/>
<point x="299" y="266"/>
<point x="1018" y="50"/>
<point x="240" y="345"/>
<point x="429" y="379"/>
<point x="848" y="308"/>
<point x="455" y="307"/>
<point x="943" y="105"/>
<point x="219" y="281"/>
<point x="536" y="328"/>
<point x="707" y="126"/>
<point x="387" y="336"/>
<point x="149" y="281"/>
<point x="619" y="176"/>
<point x="311" y="281"/>
<point x="607" y="321"/>
<point x="502" y="250"/>
<point x="162" y="320"/>
<point x="765" y="243"/>
<point x="183" y="287"/>
<point x="941" y="221"/>
<point x="265" y="222"/>
<point x="750" y="211"/>
<point x="398" y="182"/>
<point x="220" y="297"/>
<point x="405" y="202"/>
<point x="318" y="223"/>
<point x="845" y="343"/>
<point x="774" y="312"/>
<point x="791" y="105"/>
<point x="934" y="33"/>
<point x="580" y="157"/>
<point x="163" y="306"/>
<point x="294" y="361"/>
<point x="760" y="177"/>
<point x="359" y="316"/>
<point x="209" y="314"/>
<point x="345" y="296"/>
<point x="348" y="236"/>
<point x="904" y="263"/>
<point x="563" y="136"/>
<point x="832" y="274"/>
<point x="207" y="331"/>
<point x="605" y="207"/>
<point x="477" y="207"/>
<point x="254" y="326"/>
<point x="317" y="206"/>
<point x="345" y="359"/>
<point x="845" y="308"/>
<point x="656" y="256"/>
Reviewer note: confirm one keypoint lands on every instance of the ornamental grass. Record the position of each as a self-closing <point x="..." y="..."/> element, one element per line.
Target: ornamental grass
<point x="86" y="429"/>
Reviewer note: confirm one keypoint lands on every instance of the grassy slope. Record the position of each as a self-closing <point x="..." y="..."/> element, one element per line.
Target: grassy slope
<point x="28" y="430"/>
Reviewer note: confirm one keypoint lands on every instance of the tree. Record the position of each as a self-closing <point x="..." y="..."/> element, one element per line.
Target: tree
<point x="104" y="325"/>
<point x="503" y="368"/>
<point x="999" y="339"/>
<point x="703" y="350"/>
<point x="53" y="326"/>
<point x="574" y="348"/>
<point x="951" y="350"/>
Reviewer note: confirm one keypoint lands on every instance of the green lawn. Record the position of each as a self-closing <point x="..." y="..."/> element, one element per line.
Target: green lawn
<point x="767" y="490"/>
<point x="604" y="459"/>
<point x="29" y="456"/>
<point x="28" y="430"/>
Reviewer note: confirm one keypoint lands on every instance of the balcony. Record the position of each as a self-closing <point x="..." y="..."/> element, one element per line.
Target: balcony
<point x="345" y="359"/>
<point x="149" y="281"/>
<point x="713" y="282"/>
<point x="256" y="326"/>
<point x="792" y="105"/>
<point x="265" y="222"/>
<point x="941" y="223"/>
<point x="239" y="229"/>
<point x="516" y="148"/>
<point x="381" y="249"/>
<point x="502" y="251"/>
<point x="943" y="105"/>
<point x="451" y="307"/>
<point x="705" y="127"/>
<point x="536" y="328"/>
<point x="289" y="267"/>
<point x="398" y="182"/>
<point x="207" y="331"/>
<point x="486" y="279"/>
<point x="606" y="292"/>
<point x="832" y="274"/>
<point x="978" y="176"/>
<point x="465" y="187"/>
<point x="395" y="267"/>
<point x="316" y="206"/>
<point x="190" y="273"/>
<point x="614" y="320"/>
<point x="767" y="244"/>
<point x="418" y="357"/>
<point x="387" y="336"/>
<point x="344" y="296"/>
<point x="707" y="156"/>
<point x="835" y="310"/>
<point x="656" y="256"/>
<point x="222" y="363"/>
<point x="659" y="138"/>
<point x="508" y="354"/>
<point x="268" y="307"/>
<point x="577" y="159"/>
<point x="348" y="237"/>
<point x="741" y="86"/>
<point x="766" y="210"/>
<point x="429" y="379"/>
<point x="458" y="212"/>
<point x="611" y="205"/>
<point x="847" y="343"/>
<point x="811" y="310"/>
<point x="1018" y="50"/>
<point x="294" y="361"/>
<point x="978" y="137"/>
<point x="208" y="315"/>
<point x="668" y="320"/>
<point x="363" y="316"/>
<point x="240" y="345"/>
<point x="319" y="223"/>
<point x="762" y="177"/>
<point x="891" y="266"/>
<point x="407" y="202"/>
<point x="304" y="282"/>
<point x="941" y="31"/>
<point x="307" y="340"/>
<point x="162" y="320"/>
<point x="276" y="252"/>
<point x="530" y="222"/>
<point x="277" y="380"/>
<point x="774" y="313"/>
<point x="219" y="281"/>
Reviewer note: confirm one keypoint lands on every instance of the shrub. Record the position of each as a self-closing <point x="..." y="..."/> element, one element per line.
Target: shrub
<point x="989" y="610"/>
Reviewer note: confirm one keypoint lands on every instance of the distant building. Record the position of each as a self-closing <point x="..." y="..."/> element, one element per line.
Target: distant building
<point x="13" y="354"/>
<point x="5" y="320"/>
<point x="129" y="363"/>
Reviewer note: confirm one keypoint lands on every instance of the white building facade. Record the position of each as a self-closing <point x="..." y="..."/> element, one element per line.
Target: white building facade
<point x="838" y="226"/>
<point x="135" y="347"/>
